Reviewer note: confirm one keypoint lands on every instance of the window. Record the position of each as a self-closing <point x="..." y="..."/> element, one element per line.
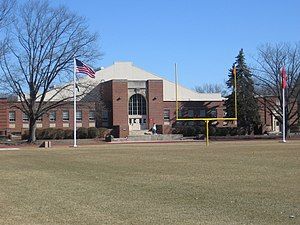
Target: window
<point x="104" y="115"/>
<point x="91" y="115"/>
<point x="213" y="112"/>
<point x="202" y="113"/>
<point x="65" y="115"/>
<point x="12" y="116"/>
<point x="25" y="117"/>
<point x="190" y="113"/>
<point x="167" y="115"/>
<point x="78" y="115"/>
<point x="104" y="118"/>
<point x="137" y="105"/>
<point x="180" y="113"/>
<point x="40" y="119"/>
<point x="52" y="116"/>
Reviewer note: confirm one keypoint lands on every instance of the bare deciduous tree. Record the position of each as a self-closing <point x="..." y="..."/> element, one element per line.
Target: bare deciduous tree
<point x="210" y="88"/>
<point x="6" y="18"/>
<point x="6" y="12"/>
<point x="271" y="58"/>
<point x="38" y="56"/>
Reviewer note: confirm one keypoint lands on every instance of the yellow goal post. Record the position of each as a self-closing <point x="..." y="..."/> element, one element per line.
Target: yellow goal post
<point x="206" y="119"/>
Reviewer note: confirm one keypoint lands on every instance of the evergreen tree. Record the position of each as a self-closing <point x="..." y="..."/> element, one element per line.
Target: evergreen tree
<point x="247" y="107"/>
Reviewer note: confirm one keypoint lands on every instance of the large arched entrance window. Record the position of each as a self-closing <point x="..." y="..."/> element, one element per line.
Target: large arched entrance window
<point x="137" y="105"/>
<point x="137" y="118"/>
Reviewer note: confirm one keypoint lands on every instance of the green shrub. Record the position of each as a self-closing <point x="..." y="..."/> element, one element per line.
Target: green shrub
<point x="93" y="132"/>
<point x="50" y="134"/>
<point x="102" y="132"/>
<point x="212" y="130"/>
<point x="25" y="135"/>
<point x="68" y="134"/>
<point x="233" y="131"/>
<point x="39" y="134"/>
<point x="59" y="134"/>
<point x="82" y="133"/>
<point x="222" y="131"/>
<point x="186" y="131"/>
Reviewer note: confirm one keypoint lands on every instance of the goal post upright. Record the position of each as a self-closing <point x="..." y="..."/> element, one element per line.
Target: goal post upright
<point x="176" y="90"/>
<point x="235" y="94"/>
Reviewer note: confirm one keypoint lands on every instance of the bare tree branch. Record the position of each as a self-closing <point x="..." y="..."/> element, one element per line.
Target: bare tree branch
<point x="6" y="12"/>
<point x="43" y="42"/>
<point x="271" y="58"/>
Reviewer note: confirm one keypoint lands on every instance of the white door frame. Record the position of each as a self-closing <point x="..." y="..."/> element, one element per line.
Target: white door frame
<point x="137" y="122"/>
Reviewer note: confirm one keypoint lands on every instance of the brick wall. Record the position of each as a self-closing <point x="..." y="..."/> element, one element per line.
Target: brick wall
<point x="266" y="114"/>
<point x="120" y="106"/>
<point x="106" y="91"/>
<point x="170" y="105"/>
<point x="3" y="116"/>
<point x="155" y="102"/>
<point x="20" y="126"/>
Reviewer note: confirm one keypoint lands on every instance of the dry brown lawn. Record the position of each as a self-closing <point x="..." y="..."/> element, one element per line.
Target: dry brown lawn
<point x="246" y="182"/>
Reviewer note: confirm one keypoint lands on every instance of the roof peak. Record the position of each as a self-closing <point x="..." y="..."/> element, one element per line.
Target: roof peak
<point x="123" y="62"/>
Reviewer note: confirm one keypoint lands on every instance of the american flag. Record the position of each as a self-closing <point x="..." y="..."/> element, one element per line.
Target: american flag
<point x="82" y="68"/>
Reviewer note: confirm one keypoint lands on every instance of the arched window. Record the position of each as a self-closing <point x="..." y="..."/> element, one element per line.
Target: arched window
<point x="137" y="105"/>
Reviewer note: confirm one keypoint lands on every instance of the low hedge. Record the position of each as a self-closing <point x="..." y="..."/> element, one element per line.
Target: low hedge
<point x="59" y="133"/>
<point x="103" y="132"/>
<point x="190" y="131"/>
<point x="82" y="133"/>
<point x="93" y="132"/>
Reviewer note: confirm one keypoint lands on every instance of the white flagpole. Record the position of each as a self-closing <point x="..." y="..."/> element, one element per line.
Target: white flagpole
<point x="74" y="116"/>
<point x="283" y="116"/>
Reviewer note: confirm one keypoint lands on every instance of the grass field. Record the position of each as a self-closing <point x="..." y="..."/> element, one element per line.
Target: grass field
<point x="184" y="183"/>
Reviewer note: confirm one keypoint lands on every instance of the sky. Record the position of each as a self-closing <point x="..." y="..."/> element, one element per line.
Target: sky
<point x="202" y="37"/>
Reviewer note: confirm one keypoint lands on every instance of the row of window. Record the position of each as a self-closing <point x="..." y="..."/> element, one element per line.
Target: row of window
<point x="198" y="113"/>
<point x="191" y="113"/>
<point x="52" y="116"/>
<point x="66" y="115"/>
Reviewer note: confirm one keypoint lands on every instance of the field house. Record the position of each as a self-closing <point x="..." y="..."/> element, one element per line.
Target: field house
<point x="129" y="100"/>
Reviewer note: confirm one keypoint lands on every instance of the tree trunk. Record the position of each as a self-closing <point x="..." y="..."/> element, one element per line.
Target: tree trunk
<point x="287" y="128"/>
<point x="32" y="129"/>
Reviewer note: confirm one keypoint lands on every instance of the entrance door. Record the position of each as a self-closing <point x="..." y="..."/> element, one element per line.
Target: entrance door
<point x="137" y="122"/>
<point x="137" y="118"/>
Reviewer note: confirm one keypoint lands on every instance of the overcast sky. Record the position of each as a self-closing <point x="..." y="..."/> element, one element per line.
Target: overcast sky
<point x="202" y="37"/>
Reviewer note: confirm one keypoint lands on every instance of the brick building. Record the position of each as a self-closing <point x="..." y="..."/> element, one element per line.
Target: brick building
<point x="3" y="116"/>
<point x="127" y="99"/>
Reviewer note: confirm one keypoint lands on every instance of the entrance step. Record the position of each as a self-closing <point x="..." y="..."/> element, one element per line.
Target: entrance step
<point x="138" y="132"/>
<point x="157" y="137"/>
